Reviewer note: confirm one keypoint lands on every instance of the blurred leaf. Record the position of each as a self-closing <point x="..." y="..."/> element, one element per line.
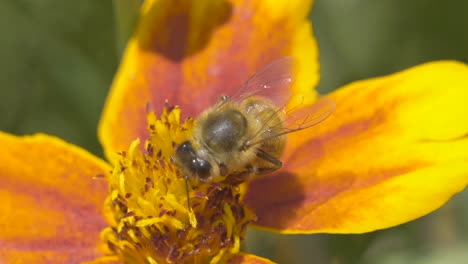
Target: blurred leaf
<point x="126" y="15"/>
<point x="349" y="248"/>
<point x="456" y="254"/>
<point x="57" y="64"/>
<point x="364" y="38"/>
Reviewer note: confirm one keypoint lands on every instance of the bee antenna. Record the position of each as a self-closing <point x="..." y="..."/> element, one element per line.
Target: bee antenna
<point x="188" y="192"/>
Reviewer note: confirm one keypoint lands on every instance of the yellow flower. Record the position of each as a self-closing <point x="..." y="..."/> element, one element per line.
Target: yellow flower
<point x="393" y="150"/>
<point x="148" y="207"/>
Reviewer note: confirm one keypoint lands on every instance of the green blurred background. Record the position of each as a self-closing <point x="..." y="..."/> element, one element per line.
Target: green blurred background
<point x="57" y="60"/>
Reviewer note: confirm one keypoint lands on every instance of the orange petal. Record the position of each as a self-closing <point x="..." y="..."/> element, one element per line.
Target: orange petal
<point x="104" y="260"/>
<point x="51" y="205"/>
<point x="394" y="150"/>
<point x="191" y="52"/>
<point x="241" y="258"/>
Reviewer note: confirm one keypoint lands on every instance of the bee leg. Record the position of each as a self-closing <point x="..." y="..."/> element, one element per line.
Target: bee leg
<point x="241" y="176"/>
<point x="265" y="170"/>
<point x="277" y="164"/>
<point x="223" y="170"/>
<point x="265" y="156"/>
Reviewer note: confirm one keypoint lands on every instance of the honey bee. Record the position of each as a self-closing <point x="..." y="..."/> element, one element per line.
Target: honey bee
<point x="245" y="134"/>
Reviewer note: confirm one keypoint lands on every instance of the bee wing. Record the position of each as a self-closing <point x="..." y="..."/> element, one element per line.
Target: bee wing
<point x="302" y="116"/>
<point x="272" y="82"/>
<point x="297" y="117"/>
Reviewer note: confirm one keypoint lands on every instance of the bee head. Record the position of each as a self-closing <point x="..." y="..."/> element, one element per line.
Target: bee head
<point x="191" y="163"/>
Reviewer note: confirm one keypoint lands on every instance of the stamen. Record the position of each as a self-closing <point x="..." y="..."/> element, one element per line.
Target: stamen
<point x="157" y="217"/>
<point x="188" y="192"/>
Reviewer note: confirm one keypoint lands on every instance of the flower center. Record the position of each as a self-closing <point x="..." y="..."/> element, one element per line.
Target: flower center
<point x="147" y="205"/>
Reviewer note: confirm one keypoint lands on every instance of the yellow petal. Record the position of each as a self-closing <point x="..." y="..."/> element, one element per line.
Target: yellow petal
<point x="51" y="205"/>
<point x="395" y="149"/>
<point x="241" y="258"/>
<point x="191" y="52"/>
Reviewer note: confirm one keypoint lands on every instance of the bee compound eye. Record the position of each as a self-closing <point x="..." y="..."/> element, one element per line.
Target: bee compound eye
<point x="186" y="147"/>
<point x="202" y="168"/>
<point x="184" y="152"/>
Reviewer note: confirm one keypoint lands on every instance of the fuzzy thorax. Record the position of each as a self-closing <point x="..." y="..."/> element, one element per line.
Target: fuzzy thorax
<point x="150" y="221"/>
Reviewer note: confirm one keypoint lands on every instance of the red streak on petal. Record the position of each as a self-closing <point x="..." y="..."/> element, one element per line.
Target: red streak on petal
<point x="297" y="191"/>
<point x="190" y="59"/>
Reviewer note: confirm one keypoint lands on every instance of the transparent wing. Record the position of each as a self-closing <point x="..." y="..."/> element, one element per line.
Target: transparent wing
<point x="273" y="82"/>
<point x="297" y="117"/>
<point x="302" y="116"/>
